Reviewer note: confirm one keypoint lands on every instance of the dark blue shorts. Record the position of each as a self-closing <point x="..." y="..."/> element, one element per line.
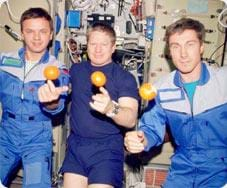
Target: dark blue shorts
<point x="100" y="160"/>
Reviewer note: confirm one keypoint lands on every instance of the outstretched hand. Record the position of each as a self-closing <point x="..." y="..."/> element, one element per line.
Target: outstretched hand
<point x="135" y="141"/>
<point x="101" y="101"/>
<point x="48" y="92"/>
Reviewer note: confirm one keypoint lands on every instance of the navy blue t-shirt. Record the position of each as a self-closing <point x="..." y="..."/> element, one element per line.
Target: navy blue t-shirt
<point x="85" y="121"/>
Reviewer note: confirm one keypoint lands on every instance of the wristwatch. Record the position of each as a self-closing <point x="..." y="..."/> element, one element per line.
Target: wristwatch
<point x="115" y="110"/>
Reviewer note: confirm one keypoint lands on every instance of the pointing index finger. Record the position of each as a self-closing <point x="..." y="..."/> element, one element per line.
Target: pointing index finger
<point x="103" y="91"/>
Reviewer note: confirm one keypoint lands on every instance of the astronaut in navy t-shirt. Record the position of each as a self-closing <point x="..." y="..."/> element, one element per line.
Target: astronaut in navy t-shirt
<point x="95" y="152"/>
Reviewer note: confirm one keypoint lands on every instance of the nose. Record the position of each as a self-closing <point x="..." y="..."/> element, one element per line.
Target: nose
<point x="36" y="36"/>
<point x="183" y="51"/>
<point x="98" y="48"/>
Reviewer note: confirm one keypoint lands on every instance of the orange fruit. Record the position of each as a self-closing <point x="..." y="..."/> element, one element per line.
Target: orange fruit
<point x="147" y="91"/>
<point x="51" y="72"/>
<point x="98" y="78"/>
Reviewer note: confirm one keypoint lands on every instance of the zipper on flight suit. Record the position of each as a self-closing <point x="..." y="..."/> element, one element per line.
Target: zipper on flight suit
<point x="25" y="75"/>
<point x="22" y="91"/>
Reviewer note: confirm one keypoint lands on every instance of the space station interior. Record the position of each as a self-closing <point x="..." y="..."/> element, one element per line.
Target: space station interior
<point x="140" y="27"/>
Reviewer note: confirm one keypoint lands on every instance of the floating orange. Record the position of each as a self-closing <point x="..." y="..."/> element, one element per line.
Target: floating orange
<point x="147" y="91"/>
<point x="98" y="78"/>
<point x="51" y="72"/>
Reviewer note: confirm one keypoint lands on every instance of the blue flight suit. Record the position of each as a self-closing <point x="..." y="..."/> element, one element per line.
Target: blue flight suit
<point x="26" y="129"/>
<point x="199" y="129"/>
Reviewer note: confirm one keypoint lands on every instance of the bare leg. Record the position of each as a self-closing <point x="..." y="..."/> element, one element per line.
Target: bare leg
<point x="100" y="186"/>
<point x="74" y="180"/>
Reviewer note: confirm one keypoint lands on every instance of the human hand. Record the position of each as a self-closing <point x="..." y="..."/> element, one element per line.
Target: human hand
<point x="135" y="141"/>
<point x="48" y="92"/>
<point x="101" y="101"/>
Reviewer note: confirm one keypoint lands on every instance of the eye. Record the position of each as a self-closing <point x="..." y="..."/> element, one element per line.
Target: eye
<point x="28" y="31"/>
<point x="91" y="43"/>
<point x="44" y="31"/>
<point x="174" y="47"/>
<point x="191" y="44"/>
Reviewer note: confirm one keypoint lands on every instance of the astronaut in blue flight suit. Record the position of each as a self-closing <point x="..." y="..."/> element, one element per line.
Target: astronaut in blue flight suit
<point x="25" y="129"/>
<point x="192" y="101"/>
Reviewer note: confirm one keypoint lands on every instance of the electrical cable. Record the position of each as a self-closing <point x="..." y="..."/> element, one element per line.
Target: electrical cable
<point x="224" y="49"/>
<point x="133" y="22"/>
<point x="220" y="17"/>
<point x="210" y="60"/>
<point x="15" y="19"/>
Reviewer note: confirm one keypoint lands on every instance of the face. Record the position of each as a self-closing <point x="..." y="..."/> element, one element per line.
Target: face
<point x="36" y="34"/>
<point x="100" y="48"/>
<point x="185" y="50"/>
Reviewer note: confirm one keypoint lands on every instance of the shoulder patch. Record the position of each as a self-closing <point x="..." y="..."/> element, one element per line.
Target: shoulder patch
<point x="10" y="61"/>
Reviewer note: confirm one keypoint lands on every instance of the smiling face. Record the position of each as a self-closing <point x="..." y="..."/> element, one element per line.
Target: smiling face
<point x="100" y="48"/>
<point x="36" y="33"/>
<point x="185" y="50"/>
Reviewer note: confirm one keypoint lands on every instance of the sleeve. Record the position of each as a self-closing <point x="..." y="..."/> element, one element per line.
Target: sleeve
<point x="153" y="124"/>
<point x="130" y="88"/>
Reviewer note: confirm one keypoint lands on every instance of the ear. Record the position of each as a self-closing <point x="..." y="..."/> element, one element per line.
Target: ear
<point x="202" y="48"/>
<point x="51" y="35"/>
<point x="22" y="35"/>
<point x="113" y="48"/>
